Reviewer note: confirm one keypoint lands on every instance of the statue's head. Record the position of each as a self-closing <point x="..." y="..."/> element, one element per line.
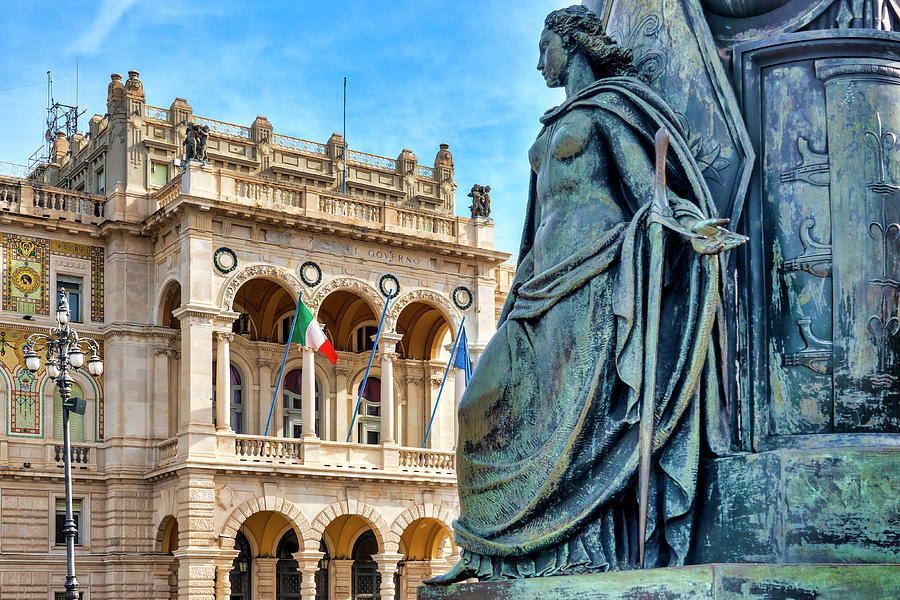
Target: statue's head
<point x="575" y="29"/>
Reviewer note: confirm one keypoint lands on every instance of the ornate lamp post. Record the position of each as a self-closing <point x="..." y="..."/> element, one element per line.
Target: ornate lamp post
<point x="65" y="350"/>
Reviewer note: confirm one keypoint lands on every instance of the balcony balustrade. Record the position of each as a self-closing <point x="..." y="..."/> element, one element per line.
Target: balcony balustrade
<point x="302" y="201"/>
<point x="24" y="197"/>
<point x="337" y="456"/>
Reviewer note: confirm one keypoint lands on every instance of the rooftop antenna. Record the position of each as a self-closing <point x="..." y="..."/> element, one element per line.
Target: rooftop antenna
<point x="60" y="117"/>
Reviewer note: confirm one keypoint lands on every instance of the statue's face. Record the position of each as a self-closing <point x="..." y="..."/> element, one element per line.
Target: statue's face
<point x="553" y="59"/>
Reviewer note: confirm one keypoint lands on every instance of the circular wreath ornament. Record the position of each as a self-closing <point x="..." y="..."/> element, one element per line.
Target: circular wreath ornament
<point x="225" y="260"/>
<point x="26" y="279"/>
<point x="462" y="297"/>
<point x="388" y="284"/>
<point x="310" y="273"/>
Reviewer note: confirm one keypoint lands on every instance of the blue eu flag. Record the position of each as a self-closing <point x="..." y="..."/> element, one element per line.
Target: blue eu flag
<point x="462" y="360"/>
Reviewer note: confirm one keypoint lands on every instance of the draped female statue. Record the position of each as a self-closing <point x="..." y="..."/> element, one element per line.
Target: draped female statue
<point x="549" y="425"/>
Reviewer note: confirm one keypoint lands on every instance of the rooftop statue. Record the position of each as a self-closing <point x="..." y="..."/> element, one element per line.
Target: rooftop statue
<point x="195" y="139"/>
<point x="481" y="201"/>
<point x="549" y="468"/>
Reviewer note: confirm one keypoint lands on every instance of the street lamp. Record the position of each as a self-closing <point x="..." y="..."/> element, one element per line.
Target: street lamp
<point x="64" y="351"/>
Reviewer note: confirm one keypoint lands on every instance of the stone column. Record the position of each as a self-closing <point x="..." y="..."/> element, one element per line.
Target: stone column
<point x="341" y="416"/>
<point x="263" y="580"/>
<point x="388" y="346"/>
<point x="388" y="563"/>
<point x="308" y="392"/>
<point x="223" y="381"/>
<point x="342" y="571"/>
<point x="223" y="574"/>
<point x="264" y="403"/>
<point x="308" y="563"/>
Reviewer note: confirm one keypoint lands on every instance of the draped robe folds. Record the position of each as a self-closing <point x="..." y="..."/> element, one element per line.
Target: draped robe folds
<point x="549" y="424"/>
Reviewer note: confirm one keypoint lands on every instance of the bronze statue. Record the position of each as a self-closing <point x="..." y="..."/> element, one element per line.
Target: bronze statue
<point x="549" y="466"/>
<point x="481" y="201"/>
<point x="195" y="139"/>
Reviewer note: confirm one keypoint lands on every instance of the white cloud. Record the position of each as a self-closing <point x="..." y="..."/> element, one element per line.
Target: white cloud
<point x="108" y="15"/>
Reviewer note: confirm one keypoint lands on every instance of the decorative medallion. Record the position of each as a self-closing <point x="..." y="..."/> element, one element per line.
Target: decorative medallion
<point x="389" y="284"/>
<point x="26" y="279"/>
<point x="462" y="297"/>
<point x="225" y="260"/>
<point x="310" y="273"/>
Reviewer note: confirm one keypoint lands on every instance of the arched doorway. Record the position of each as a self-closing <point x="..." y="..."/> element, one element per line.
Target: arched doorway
<point x="365" y="578"/>
<point x="322" y="572"/>
<point x="241" y="569"/>
<point x="287" y="572"/>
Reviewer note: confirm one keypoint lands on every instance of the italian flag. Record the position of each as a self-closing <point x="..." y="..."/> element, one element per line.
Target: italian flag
<point x="309" y="333"/>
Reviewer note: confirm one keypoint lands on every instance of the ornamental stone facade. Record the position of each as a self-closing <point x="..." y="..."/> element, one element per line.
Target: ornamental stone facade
<point x="188" y="273"/>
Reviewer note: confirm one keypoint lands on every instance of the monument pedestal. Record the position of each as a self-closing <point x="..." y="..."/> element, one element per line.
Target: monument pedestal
<point x="698" y="582"/>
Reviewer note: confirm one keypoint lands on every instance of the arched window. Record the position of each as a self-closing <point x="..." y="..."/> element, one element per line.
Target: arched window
<point x="292" y="404"/>
<point x="368" y="428"/>
<point x="76" y="421"/>
<point x="237" y="399"/>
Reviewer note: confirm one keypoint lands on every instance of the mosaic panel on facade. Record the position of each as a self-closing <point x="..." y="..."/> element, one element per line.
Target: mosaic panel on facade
<point x="25" y="406"/>
<point x="26" y="282"/>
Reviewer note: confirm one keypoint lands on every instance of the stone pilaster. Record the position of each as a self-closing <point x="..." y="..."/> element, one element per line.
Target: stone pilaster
<point x="263" y="580"/>
<point x="415" y="572"/>
<point x="224" y="564"/>
<point x="195" y="428"/>
<point x="341" y="573"/>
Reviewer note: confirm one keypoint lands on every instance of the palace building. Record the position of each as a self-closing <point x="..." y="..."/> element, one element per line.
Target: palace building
<point x="187" y="275"/>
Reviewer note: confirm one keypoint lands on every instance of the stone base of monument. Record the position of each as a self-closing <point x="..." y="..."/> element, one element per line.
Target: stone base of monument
<point x="698" y="582"/>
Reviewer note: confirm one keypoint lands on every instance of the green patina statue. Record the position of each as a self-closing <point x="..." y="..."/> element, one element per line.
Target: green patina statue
<point x="548" y="453"/>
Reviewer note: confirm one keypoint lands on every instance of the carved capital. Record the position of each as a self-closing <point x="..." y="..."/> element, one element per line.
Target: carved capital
<point x="226" y="336"/>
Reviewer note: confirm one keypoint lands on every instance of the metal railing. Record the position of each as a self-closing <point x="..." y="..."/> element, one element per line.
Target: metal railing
<point x="371" y="160"/>
<point x="156" y="113"/>
<point x="292" y="143"/>
<point x="224" y="129"/>
<point x="426" y="172"/>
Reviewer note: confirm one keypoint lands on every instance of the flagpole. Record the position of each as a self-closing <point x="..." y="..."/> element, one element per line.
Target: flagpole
<point x="283" y="360"/>
<point x="441" y="389"/>
<point x="362" y="385"/>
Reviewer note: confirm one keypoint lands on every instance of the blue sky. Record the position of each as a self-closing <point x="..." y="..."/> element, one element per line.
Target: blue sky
<point x="420" y="73"/>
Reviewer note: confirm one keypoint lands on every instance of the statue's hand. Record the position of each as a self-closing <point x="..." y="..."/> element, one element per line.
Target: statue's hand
<point x="715" y="237"/>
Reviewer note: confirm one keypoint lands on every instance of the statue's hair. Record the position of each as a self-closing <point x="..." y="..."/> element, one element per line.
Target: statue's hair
<point x="581" y="29"/>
